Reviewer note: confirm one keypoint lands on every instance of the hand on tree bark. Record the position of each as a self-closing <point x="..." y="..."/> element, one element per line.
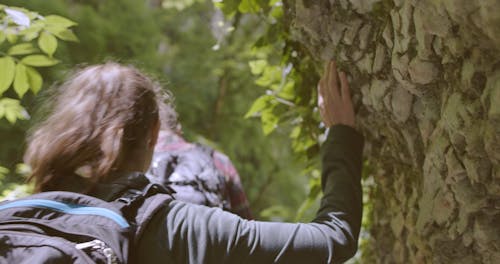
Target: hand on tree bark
<point x="334" y="98"/>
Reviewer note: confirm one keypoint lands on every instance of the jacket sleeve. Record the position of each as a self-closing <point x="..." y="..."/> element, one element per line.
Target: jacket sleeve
<point x="188" y="233"/>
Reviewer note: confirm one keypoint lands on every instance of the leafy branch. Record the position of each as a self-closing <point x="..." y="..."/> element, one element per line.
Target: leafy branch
<point x="288" y="78"/>
<point x="27" y="41"/>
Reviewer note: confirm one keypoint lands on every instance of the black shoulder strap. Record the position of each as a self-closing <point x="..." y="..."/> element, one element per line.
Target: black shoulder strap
<point x="130" y="201"/>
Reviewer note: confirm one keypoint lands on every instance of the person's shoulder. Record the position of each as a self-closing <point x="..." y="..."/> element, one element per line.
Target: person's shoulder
<point x="224" y="164"/>
<point x="221" y="156"/>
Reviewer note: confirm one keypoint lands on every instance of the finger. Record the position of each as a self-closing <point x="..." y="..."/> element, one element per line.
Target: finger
<point x="326" y="72"/>
<point x="320" y="92"/>
<point x="324" y="113"/>
<point x="333" y="84"/>
<point x="346" y="93"/>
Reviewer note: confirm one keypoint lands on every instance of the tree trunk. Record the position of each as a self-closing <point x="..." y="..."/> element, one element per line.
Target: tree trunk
<point x="426" y="80"/>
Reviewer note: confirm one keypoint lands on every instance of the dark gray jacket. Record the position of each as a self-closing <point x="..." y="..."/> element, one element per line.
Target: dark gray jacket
<point x="187" y="233"/>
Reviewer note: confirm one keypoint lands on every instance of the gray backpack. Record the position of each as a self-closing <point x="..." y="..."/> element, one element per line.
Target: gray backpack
<point x="192" y="174"/>
<point x="67" y="227"/>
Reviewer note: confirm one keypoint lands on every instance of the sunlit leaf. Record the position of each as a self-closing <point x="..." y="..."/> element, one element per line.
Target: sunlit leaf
<point x="21" y="84"/>
<point x="248" y="6"/>
<point x="18" y="17"/>
<point x="67" y="35"/>
<point x="3" y="171"/>
<point x="269" y="121"/>
<point x="295" y="132"/>
<point x="277" y="13"/>
<point x="228" y="7"/>
<point x="59" y="21"/>
<point x="12" y="109"/>
<point x="21" y="49"/>
<point x="271" y="74"/>
<point x="287" y="92"/>
<point x="274" y="2"/>
<point x="2" y="37"/>
<point x="257" y="66"/>
<point x="258" y="105"/>
<point x="178" y="4"/>
<point x="33" y="31"/>
<point x="8" y="67"/>
<point x="34" y="79"/>
<point x="23" y="169"/>
<point x="32" y="15"/>
<point x="10" y="114"/>
<point x="47" y="43"/>
<point x="39" y="61"/>
<point x="11" y="37"/>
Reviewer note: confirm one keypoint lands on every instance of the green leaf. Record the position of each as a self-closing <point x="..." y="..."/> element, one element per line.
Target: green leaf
<point x="257" y="66"/>
<point x="34" y="79"/>
<point x="248" y="6"/>
<point x="269" y="121"/>
<point x="12" y="109"/>
<point x="277" y="12"/>
<point x="2" y="37"/>
<point x="10" y="115"/>
<point x="258" y="105"/>
<point x="295" y="131"/>
<point x="39" y="61"/>
<point x="21" y="84"/>
<point x="11" y="37"/>
<point x="18" y="17"/>
<point x="59" y="21"/>
<point x="3" y="171"/>
<point x="228" y="7"/>
<point x="67" y="35"/>
<point x="23" y="169"/>
<point x="47" y="43"/>
<point x="21" y="49"/>
<point x="8" y="67"/>
<point x="33" y="31"/>
<point x="288" y="90"/>
<point x="271" y="74"/>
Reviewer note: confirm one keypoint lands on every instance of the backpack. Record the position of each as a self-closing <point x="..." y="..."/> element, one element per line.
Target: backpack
<point x="192" y="173"/>
<point x="67" y="227"/>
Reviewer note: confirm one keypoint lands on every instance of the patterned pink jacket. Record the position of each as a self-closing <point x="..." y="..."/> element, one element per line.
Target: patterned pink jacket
<point x="170" y="141"/>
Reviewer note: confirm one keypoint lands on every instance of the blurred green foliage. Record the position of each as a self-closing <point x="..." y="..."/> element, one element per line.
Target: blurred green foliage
<point x="28" y="41"/>
<point x="288" y="78"/>
<point x="241" y="85"/>
<point x="206" y="59"/>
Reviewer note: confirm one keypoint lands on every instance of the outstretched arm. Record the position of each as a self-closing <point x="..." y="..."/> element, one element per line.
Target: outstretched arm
<point x="195" y="234"/>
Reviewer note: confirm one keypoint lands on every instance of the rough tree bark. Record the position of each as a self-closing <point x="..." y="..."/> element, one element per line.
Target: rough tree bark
<point x="427" y="79"/>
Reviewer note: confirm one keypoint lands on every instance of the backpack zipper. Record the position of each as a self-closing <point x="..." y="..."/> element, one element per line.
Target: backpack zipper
<point x="97" y="244"/>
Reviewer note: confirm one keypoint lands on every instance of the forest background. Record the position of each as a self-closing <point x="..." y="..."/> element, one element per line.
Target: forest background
<point x="425" y="79"/>
<point x="206" y="54"/>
